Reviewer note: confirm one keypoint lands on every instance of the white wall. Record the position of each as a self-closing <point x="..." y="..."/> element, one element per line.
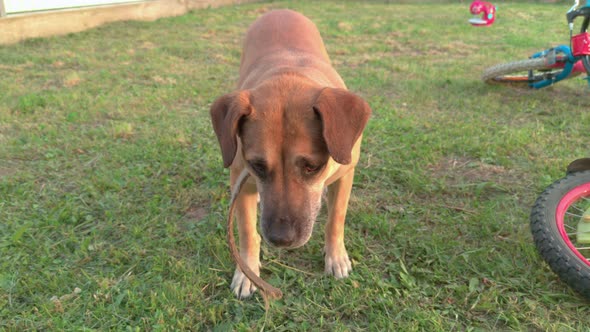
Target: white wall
<point x="18" y="6"/>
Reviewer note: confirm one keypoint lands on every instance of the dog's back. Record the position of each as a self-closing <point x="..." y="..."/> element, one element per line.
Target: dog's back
<point x="280" y="39"/>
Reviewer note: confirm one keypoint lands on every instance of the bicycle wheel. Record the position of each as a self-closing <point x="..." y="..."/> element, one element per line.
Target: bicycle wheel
<point x="586" y="58"/>
<point x="586" y="62"/>
<point x="560" y="223"/>
<point x="523" y="72"/>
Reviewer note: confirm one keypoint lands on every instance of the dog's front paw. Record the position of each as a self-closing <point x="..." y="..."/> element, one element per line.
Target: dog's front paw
<point x="241" y="285"/>
<point x="337" y="262"/>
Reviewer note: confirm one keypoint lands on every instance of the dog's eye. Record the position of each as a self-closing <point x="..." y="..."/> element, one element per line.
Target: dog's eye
<point x="258" y="167"/>
<point x="311" y="169"/>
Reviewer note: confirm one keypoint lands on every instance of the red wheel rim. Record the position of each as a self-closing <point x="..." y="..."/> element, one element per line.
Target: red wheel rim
<point x="566" y="201"/>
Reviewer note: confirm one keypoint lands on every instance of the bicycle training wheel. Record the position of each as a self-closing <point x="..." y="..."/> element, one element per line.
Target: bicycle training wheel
<point x="523" y="72"/>
<point x="560" y="223"/>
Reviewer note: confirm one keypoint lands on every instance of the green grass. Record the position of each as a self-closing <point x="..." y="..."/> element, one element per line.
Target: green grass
<point x="113" y="197"/>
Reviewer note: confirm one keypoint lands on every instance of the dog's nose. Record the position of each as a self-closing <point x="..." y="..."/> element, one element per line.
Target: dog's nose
<point x="281" y="233"/>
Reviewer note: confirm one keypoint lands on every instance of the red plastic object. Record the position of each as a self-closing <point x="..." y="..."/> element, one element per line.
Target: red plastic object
<point x="487" y="10"/>
<point x="581" y="44"/>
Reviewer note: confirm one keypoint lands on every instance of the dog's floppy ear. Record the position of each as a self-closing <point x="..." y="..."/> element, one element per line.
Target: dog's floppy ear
<point x="344" y="116"/>
<point x="226" y="113"/>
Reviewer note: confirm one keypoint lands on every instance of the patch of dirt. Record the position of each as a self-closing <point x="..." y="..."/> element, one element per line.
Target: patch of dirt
<point x="147" y="45"/>
<point x="404" y="48"/>
<point x="262" y="10"/>
<point x="196" y="213"/>
<point x="71" y="79"/>
<point x="467" y="169"/>
<point x="460" y="171"/>
<point x="6" y="172"/>
<point x="398" y="45"/>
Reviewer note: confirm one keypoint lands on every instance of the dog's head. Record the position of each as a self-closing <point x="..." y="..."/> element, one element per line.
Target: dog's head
<point x="291" y="139"/>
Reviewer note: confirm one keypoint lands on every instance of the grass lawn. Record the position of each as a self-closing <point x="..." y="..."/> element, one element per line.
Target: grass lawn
<point x="113" y="196"/>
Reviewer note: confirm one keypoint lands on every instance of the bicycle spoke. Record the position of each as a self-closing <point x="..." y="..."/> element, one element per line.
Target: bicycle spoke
<point x="573" y="214"/>
<point x="579" y="206"/>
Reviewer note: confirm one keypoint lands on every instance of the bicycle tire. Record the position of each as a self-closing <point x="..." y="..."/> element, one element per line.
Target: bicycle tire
<point x="552" y="244"/>
<point x="512" y="72"/>
<point x="585" y="58"/>
<point x="586" y="62"/>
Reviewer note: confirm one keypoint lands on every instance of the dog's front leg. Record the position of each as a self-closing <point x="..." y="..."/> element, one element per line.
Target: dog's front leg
<point x="337" y="261"/>
<point x="245" y="207"/>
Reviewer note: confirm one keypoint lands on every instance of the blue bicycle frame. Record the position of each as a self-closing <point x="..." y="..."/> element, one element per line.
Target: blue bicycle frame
<point x="564" y="53"/>
<point x="551" y="56"/>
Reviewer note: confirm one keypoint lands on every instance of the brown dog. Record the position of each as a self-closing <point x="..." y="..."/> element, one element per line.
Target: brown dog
<point x="293" y="125"/>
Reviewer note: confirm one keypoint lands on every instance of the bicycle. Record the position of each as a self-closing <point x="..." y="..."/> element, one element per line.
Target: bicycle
<point x="560" y="224"/>
<point x="550" y="66"/>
